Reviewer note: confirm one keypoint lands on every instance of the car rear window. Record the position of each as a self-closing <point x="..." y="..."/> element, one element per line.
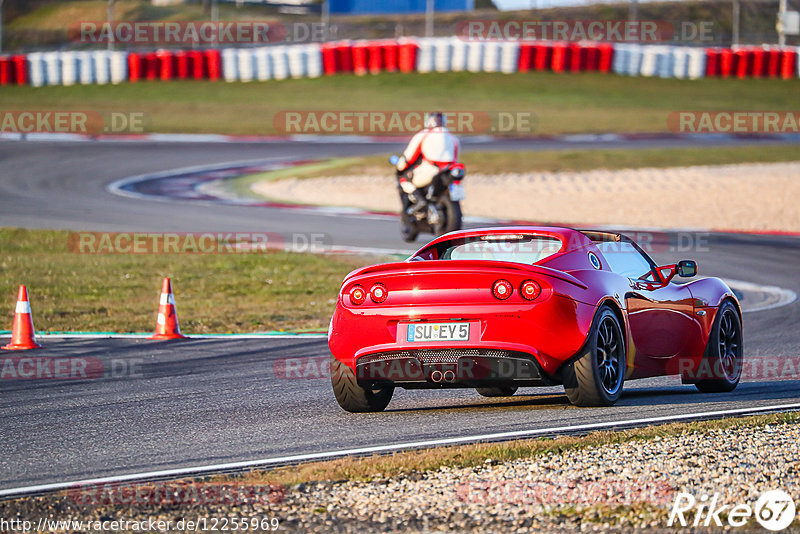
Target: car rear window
<point x="527" y="249"/>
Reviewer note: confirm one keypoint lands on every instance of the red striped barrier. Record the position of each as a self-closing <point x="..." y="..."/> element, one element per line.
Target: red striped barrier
<point x="360" y="55"/>
<point x="606" y="59"/>
<point x="788" y="62"/>
<point x="134" y="67"/>
<point x="712" y="62"/>
<point x="726" y="62"/>
<point x="390" y="51"/>
<point x="329" y="66"/>
<point x="744" y="62"/>
<point x="543" y="55"/>
<point x="213" y="64"/>
<point x="374" y="57"/>
<point x="773" y="60"/>
<point x="165" y="63"/>
<point x="407" y="56"/>
<point x="196" y="64"/>
<point x="5" y="70"/>
<point x="756" y="68"/>
<point x="525" y="55"/>
<point x="150" y="66"/>
<point x="182" y="65"/>
<point x="20" y="69"/>
<point x="560" y="57"/>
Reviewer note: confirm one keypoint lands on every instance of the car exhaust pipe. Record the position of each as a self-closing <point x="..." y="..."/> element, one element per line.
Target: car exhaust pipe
<point x="449" y="376"/>
<point x="436" y="376"/>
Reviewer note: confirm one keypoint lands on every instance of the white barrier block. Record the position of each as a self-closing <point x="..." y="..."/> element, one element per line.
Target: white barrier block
<point x="621" y="58"/>
<point x="696" y="68"/>
<point x="102" y="68"/>
<point x="280" y="62"/>
<point x="36" y="70"/>
<point x="509" y="57"/>
<point x="491" y="57"/>
<point x="314" y="60"/>
<point x="52" y="65"/>
<point x="425" y="56"/>
<point x="458" y="61"/>
<point x="665" y="61"/>
<point x="298" y="60"/>
<point x="649" y="61"/>
<point x="263" y="64"/>
<point x="230" y="64"/>
<point x="680" y="62"/>
<point x="69" y="68"/>
<point x="442" y="55"/>
<point x="475" y="56"/>
<point x="85" y="68"/>
<point x="118" y="65"/>
<point x="246" y="61"/>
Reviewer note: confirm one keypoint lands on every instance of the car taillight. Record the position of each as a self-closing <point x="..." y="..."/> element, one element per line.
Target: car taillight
<point x="530" y="289"/>
<point x="357" y="295"/>
<point x="502" y="289"/>
<point x="378" y="293"/>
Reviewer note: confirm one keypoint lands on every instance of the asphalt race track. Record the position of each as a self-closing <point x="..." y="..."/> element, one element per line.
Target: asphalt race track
<point x="210" y="401"/>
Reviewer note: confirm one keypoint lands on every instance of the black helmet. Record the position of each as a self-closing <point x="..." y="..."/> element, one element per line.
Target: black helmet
<point x="435" y="119"/>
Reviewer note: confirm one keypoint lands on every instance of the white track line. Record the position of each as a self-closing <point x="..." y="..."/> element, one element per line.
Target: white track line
<point x="784" y="296"/>
<point x="378" y="449"/>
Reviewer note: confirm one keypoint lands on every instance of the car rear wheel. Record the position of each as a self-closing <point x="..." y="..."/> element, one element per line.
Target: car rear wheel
<point x="595" y="379"/>
<point x="352" y="397"/>
<point x="500" y="391"/>
<point x="724" y="353"/>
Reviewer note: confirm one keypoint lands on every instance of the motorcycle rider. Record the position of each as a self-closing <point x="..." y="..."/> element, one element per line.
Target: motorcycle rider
<point x="429" y="151"/>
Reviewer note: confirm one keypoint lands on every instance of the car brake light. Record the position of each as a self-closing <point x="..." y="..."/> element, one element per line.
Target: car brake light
<point x="378" y="293"/>
<point x="502" y="289"/>
<point x="530" y="289"/>
<point x="357" y="295"/>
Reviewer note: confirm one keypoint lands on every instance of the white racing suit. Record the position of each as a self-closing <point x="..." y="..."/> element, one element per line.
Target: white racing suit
<point x="428" y="152"/>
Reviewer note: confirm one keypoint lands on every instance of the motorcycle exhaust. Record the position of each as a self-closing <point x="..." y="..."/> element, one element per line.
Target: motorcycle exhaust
<point x="437" y="376"/>
<point x="449" y="376"/>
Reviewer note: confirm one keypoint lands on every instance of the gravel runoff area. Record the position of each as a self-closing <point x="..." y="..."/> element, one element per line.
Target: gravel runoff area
<point x="617" y="486"/>
<point x="743" y="197"/>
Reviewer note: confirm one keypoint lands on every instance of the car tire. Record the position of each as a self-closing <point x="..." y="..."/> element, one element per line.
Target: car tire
<point x="724" y="353"/>
<point x="500" y="391"/>
<point x="596" y="377"/>
<point x="352" y="397"/>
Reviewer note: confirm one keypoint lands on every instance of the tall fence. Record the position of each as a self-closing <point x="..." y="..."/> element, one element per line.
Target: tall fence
<point x="440" y="54"/>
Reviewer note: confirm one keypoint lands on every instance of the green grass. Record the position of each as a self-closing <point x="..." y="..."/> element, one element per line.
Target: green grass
<point x="215" y="293"/>
<point x="568" y="103"/>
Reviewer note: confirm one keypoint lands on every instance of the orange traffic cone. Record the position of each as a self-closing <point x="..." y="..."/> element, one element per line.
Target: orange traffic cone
<point x="22" y="334"/>
<point x="167" y="323"/>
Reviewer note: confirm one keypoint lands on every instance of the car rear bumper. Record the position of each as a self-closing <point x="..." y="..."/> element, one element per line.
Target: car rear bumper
<point x="449" y="367"/>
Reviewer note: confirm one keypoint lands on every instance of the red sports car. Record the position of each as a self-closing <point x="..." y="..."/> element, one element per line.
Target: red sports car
<point x="500" y="308"/>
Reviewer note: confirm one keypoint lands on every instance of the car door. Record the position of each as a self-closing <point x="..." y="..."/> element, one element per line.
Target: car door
<point x="660" y="314"/>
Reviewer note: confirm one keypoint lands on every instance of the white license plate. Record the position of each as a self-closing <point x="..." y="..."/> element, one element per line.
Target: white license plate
<point x="457" y="193"/>
<point x="437" y="332"/>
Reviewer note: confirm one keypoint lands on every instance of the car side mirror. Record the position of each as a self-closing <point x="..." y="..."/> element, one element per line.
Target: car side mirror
<point x="394" y="159"/>
<point x="687" y="268"/>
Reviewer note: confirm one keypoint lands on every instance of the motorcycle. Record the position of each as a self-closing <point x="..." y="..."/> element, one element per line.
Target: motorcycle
<point x="442" y="212"/>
